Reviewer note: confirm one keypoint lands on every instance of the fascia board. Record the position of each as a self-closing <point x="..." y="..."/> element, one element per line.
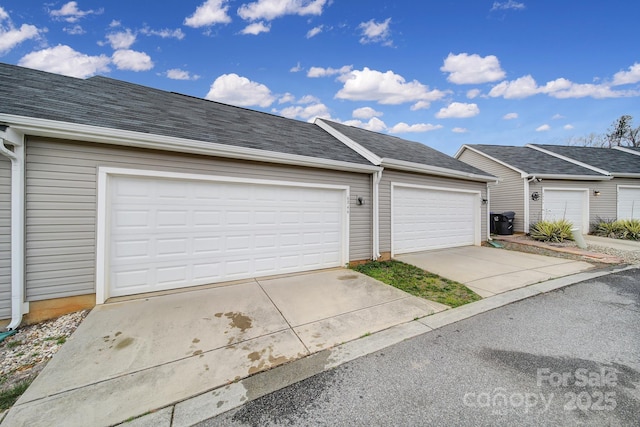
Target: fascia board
<point x="65" y="130"/>
<point x="626" y="150"/>
<point x="573" y="177"/>
<point x="372" y="157"/>
<point x="568" y="159"/>
<point x="435" y="170"/>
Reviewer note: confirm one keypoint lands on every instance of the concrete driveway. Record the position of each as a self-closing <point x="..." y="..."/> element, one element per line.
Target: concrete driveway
<point x="490" y="271"/>
<point x="131" y="357"/>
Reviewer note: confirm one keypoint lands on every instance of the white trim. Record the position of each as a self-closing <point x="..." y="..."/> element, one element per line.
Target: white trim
<point x="526" y="188"/>
<point x="435" y="170"/>
<point x="572" y="177"/>
<point x="622" y="186"/>
<point x="102" y="225"/>
<point x="488" y="213"/>
<point x="568" y="159"/>
<point x="477" y="217"/>
<point x="370" y="156"/>
<point x="18" y="304"/>
<point x="584" y="227"/>
<point x="627" y="150"/>
<point x="475" y="150"/>
<point x="376" y="177"/>
<point x="64" y="130"/>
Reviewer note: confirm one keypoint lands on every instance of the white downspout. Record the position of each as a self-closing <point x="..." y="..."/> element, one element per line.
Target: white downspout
<point x="377" y="176"/>
<point x="18" y="305"/>
<point x="489" y="219"/>
<point x="526" y="204"/>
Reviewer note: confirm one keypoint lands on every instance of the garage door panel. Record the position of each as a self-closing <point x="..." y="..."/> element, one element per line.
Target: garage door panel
<point x="570" y="205"/>
<point x="629" y="203"/>
<point x="425" y="219"/>
<point x="165" y="234"/>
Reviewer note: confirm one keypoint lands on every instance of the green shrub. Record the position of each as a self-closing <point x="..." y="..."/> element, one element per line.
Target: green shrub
<point x="551" y="231"/>
<point x="628" y="229"/>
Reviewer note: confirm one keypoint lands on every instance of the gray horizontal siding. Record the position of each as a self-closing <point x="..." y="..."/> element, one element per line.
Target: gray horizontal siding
<point x="5" y="238"/>
<point x="505" y="195"/>
<point x="603" y="206"/>
<point x="61" y="205"/>
<point x="389" y="176"/>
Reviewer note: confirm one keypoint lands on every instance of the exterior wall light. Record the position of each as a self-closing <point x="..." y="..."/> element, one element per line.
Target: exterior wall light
<point x="359" y="201"/>
<point x="596" y="193"/>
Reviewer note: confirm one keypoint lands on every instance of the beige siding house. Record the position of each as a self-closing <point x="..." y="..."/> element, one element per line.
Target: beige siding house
<point x="110" y="189"/>
<point x="538" y="182"/>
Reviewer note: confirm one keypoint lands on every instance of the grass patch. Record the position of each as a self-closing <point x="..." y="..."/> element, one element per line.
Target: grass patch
<point x="13" y="344"/>
<point x="419" y="282"/>
<point x="10" y="396"/>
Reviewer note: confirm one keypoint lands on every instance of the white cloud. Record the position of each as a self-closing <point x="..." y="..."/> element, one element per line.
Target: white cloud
<point x="256" y="28"/>
<point x="557" y="117"/>
<point x="3" y="14"/>
<point x="385" y="88"/>
<point x="458" y="110"/>
<point x="287" y="98"/>
<point x="121" y="40"/>
<point x="567" y="127"/>
<point x="519" y="88"/>
<point x="178" y="74"/>
<point x="309" y="112"/>
<point x="64" y="60"/>
<point x="459" y="130"/>
<point x="76" y="30"/>
<point x="208" y="13"/>
<point x="165" y="33"/>
<point x="627" y="77"/>
<point x="421" y="105"/>
<point x="472" y="69"/>
<point x="376" y="32"/>
<point x="315" y="72"/>
<point x="127" y="59"/>
<point x="272" y="9"/>
<point x="418" y="127"/>
<point x="236" y="90"/>
<point x="115" y="23"/>
<point x="543" y="128"/>
<point x="69" y="12"/>
<point x="510" y="116"/>
<point x="559" y="88"/>
<point x="374" y="124"/>
<point x="510" y="4"/>
<point x="473" y="93"/>
<point x="11" y="37"/>
<point x="296" y="69"/>
<point x="308" y="99"/>
<point x="314" y="31"/>
<point x="365" y="113"/>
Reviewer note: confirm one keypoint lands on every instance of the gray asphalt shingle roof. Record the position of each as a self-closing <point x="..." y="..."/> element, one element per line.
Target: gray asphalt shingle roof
<point x="614" y="161"/>
<point x="532" y="161"/>
<point x="109" y="103"/>
<point x="391" y="147"/>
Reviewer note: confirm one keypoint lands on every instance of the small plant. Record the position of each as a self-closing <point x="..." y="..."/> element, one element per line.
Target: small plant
<point x="14" y="344"/>
<point x="551" y="231"/>
<point x="628" y="229"/>
<point x="61" y="340"/>
<point x="10" y="396"/>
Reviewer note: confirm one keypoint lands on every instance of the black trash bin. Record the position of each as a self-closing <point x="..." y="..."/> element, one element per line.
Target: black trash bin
<point x="503" y="223"/>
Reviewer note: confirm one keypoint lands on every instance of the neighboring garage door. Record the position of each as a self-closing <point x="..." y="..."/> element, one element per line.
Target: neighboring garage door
<point x="569" y="204"/>
<point x="628" y="202"/>
<point x="425" y="218"/>
<point x="171" y="233"/>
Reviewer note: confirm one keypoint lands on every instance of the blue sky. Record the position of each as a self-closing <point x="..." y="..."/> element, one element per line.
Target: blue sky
<point x="444" y="73"/>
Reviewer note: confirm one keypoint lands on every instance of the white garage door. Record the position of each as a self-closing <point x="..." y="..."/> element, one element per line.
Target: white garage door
<point x="430" y="218"/>
<point x="572" y="205"/>
<point x="628" y="202"/>
<point x="173" y="233"/>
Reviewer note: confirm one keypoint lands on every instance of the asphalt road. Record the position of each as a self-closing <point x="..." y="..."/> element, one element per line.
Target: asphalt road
<point x="570" y="357"/>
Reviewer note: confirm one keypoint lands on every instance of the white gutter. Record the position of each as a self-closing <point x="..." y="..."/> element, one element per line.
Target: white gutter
<point x="18" y="305"/>
<point x="66" y="130"/>
<point x="435" y="170"/>
<point x="571" y="177"/>
<point x="377" y="176"/>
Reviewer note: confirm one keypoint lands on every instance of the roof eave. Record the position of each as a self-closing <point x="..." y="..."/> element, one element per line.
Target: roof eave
<point x="627" y="150"/>
<point x="571" y="177"/>
<point x="625" y="175"/>
<point x="435" y="170"/>
<point x="66" y="130"/>
<point x="480" y="152"/>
